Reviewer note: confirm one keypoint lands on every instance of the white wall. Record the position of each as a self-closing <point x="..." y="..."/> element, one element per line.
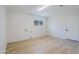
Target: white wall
<point x="19" y="21"/>
<point x="2" y="29"/>
<point x="57" y="25"/>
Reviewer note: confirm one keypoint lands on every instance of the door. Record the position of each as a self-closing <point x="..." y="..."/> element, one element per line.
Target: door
<point x="72" y="27"/>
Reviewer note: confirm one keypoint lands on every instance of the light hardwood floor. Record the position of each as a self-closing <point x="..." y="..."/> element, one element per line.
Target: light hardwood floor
<point x="43" y="45"/>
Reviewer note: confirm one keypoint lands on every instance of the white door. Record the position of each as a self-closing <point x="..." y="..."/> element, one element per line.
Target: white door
<point x="72" y="24"/>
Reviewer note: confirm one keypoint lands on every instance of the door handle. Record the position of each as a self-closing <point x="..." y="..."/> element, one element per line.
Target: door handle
<point x="66" y="30"/>
<point x="25" y="30"/>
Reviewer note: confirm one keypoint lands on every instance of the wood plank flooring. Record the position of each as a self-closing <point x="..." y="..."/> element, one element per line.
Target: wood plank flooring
<point x="43" y="45"/>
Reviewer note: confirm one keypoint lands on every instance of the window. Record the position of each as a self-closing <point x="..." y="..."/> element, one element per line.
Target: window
<point x="41" y="22"/>
<point x="36" y="22"/>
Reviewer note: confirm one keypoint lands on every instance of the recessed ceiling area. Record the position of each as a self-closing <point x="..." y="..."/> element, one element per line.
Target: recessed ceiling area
<point x="49" y="11"/>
